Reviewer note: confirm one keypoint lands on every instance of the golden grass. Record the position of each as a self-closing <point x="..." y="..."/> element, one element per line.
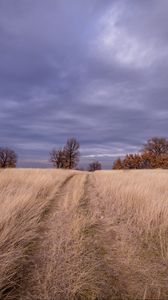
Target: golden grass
<point x="24" y="199"/>
<point x="66" y="264"/>
<point x="134" y="208"/>
<point x="85" y="236"/>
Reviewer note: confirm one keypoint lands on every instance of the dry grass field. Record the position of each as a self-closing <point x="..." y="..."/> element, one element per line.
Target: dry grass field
<point x="68" y="235"/>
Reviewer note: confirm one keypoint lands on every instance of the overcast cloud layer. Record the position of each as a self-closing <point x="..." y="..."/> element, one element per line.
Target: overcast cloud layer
<point x="93" y="69"/>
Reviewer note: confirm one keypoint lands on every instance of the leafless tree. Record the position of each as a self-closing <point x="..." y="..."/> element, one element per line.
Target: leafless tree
<point x="156" y="146"/>
<point x="95" y="165"/>
<point x="68" y="156"/>
<point x="8" y="158"/>
<point x="71" y="152"/>
<point x="57" y="157"/>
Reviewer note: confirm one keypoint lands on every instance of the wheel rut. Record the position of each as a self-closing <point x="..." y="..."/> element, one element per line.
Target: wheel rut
<point x="49" y="201"/>
<point x="56" y="196"/>
<point x="68" y="260"/>
<point x="56" y="234"/>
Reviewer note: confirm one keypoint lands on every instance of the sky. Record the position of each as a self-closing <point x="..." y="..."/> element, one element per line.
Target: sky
<point x="96" y="70"/>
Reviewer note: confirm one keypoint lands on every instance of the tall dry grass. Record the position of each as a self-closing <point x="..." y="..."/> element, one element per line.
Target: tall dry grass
<point x="134" y="209"/>
<point x="67" y="265"/>
<point x="25" y="196"/>
<point x="68" y="235"/>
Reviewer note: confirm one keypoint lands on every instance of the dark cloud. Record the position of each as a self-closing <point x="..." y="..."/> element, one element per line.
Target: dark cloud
<point x="96" y="70"/>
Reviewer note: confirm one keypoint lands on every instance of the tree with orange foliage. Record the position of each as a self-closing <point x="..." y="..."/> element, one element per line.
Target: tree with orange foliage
<point x="132" y="161"/>
<point x="148" y="161"/>
<point x="162" y="161"/>
<point x="154" y="155"/>
<point x="118" y="164"/>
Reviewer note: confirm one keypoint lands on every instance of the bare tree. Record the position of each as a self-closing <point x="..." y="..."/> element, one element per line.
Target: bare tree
<point x="67" y="157"/>
<point x="71" y="152"/>
<point x="95" y="165"/>
<point x="8" y="158"/>
<point x="57" y="157"/>
<point x="156" y="146"/>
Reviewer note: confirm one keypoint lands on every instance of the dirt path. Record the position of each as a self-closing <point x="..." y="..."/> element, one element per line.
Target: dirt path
<point x="22" y="242"/>
<point x="105" y="238"/>
<point x="57" y="257"/>
<point x="68" y="259"/>
<point x="57" y="195"/>
<point x="124" y="279"/>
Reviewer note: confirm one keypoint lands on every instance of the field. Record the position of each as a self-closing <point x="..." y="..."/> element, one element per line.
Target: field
<point x="68" y="235"/>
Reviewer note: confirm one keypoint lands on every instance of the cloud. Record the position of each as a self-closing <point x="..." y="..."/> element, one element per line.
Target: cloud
<point x="96" y="70"/>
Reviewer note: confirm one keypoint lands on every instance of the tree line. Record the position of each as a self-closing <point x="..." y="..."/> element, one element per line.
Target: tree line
<point x="66" y="157"/>
<point x="154" y="154"/>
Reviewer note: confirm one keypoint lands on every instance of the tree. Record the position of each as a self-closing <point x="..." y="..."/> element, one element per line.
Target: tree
<point x="8" y="158"/>
<point x="162" y="161"/>
<point x="142" y="161"/>
<point x="148" y="161"/>
<point x="57" y="157"/>
<point x="154" y="155"/>
<point x="71" y="152"/>
<point x="118" y="164"/>
<point x="132" y="161"/>
<point x="95" y="165"/>
<point x="66" y="157"/>
<point x="156" y="146"/>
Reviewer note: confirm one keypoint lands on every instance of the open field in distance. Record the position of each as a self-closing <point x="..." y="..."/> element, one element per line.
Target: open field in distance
<point x="68" y="235"/>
